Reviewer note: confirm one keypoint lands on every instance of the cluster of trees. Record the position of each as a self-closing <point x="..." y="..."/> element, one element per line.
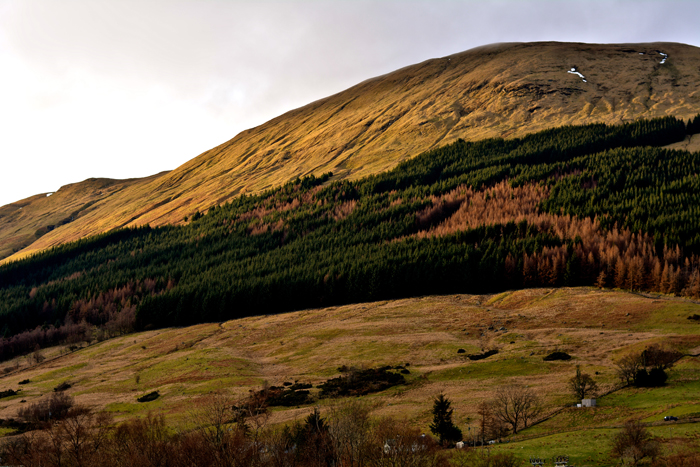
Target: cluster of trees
<point x="104" y="315"/>
<point x="647" y="368"/>
<point x="583" y="205"/>
<point x="512" y="408"/>
<point x="224" y="436"/>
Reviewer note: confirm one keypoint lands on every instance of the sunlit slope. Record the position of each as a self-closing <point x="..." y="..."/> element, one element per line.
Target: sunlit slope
<point x="504" y="90"/>
<point x="24" y="221"/>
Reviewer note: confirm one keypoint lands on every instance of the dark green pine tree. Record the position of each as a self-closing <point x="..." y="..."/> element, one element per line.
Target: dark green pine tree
<point x="694" y="125"/>
<point x="442" y="425"/>
<point x="314" y="423"/>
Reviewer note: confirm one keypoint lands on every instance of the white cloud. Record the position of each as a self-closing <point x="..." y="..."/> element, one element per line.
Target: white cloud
<point x="129" y="88"/>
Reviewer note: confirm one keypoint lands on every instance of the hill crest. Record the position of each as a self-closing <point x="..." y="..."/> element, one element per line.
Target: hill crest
<point x="500" y="90"/>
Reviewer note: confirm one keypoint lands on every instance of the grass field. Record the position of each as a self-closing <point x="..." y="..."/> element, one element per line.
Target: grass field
<point x="595" y="327"/>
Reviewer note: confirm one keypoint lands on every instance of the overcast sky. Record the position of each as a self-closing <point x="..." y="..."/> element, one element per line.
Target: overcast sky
<point x="120" y="89"/>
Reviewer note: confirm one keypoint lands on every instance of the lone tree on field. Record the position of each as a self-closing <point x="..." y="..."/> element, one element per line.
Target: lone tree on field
<point x="634" y="443"/>
<point x="442" y="425"/>
<point x="516" y="405"/>
<point x="582" y="385"/>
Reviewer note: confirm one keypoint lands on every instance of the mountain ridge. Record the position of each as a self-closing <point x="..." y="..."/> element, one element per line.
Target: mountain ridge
<point x="499" y="90"/>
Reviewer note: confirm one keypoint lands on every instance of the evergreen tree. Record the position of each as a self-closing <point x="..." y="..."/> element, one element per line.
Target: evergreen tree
<point x="442" y="425"/>
<point x="694" y="125"/>
<point x="313" y="423"/>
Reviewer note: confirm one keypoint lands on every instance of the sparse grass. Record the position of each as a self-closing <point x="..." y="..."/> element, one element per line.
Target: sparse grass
<point x="495" y="367"/>
<point x="584" y="447"/>
<point x="657" y="401"/>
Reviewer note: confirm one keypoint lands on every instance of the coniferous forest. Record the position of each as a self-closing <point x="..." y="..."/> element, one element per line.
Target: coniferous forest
<point x="590" y="205"/>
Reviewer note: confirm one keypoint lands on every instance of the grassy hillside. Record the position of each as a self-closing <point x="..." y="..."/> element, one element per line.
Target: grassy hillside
<point x="596" y="327"/>
<point x="503" y="90"/>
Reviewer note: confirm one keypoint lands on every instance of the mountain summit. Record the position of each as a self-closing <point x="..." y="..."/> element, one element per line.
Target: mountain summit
<point x="501" y="90"/>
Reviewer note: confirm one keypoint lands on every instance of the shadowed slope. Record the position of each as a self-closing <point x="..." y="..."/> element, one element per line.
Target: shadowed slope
<point x="503" y="90"/>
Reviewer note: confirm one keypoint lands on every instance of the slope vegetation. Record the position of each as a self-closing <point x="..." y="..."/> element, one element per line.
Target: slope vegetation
<point x="504" y="90"/>
<point x="563" y="207"/>
<point x="423" y="335"/>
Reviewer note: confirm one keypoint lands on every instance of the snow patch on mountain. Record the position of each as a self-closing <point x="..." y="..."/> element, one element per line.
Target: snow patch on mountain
<point x="573" y="71"/>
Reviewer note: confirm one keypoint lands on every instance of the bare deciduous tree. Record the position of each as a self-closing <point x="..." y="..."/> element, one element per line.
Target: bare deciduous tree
<point x="582" y="385"/>
<point x="78" y="438"/>
<point x="253" y="412"/>
<point x="634" y="443"/>
<point x="395" y="443"/>
<point x="84" y="433"/>
<point x="348" y="427"/>
<point x="211" y="418"/>
<point x="490" y="426"/>
<point x="516" y="406"/>
<point x="36" y="357"/>
<point x="656" y="357"/>
<point x="628" y="366"/>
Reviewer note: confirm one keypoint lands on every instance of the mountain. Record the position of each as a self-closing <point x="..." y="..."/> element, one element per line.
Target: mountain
<point x="502" y="90"/>
<point x="602" y="205"/>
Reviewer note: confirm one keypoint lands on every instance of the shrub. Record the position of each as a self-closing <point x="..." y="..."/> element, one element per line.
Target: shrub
<point x="360" y="382"/>
<point x="62" y="387"/>
<point x="151" y="396"/>
<point x="482" y="356"/>
<point x="287" y="397"/>
<point x="650" y="379"/>
<point x="557" y="356"/>
<point x="53" y="407"/>
<point x="634" y="443"/>
<point x="8" y="393"/>
<point x="24" y="381"/>
<point x="680" y="459"/>
<point x="10" y="369"/>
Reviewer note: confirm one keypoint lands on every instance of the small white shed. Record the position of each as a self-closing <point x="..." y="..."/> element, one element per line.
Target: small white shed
<point x="587" y="402"/>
